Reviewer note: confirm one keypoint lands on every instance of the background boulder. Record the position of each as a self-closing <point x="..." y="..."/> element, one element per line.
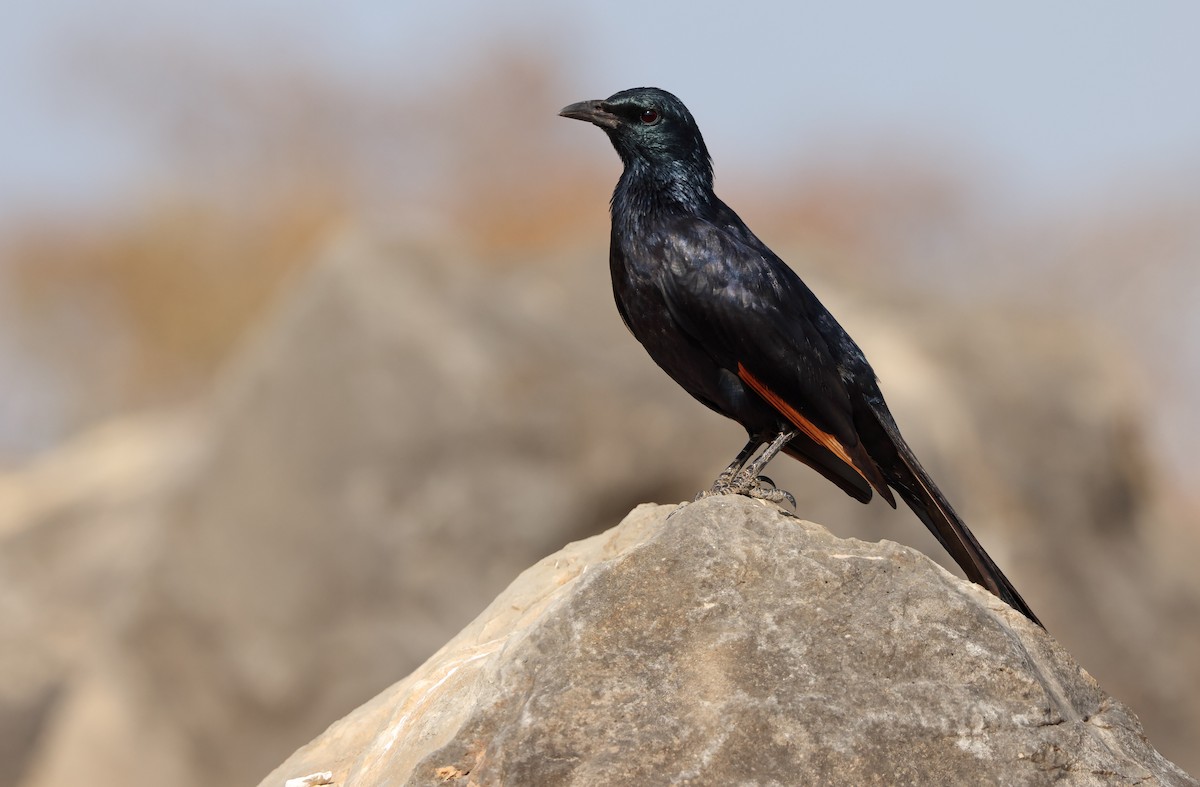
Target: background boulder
<point x="410" y="428"/>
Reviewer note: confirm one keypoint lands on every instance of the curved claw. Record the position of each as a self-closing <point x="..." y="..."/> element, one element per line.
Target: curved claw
<point x="774" y="494"/>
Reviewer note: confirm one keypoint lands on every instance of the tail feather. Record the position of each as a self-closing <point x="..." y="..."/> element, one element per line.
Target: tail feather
<point x="906" y="475"/>
<point x="932" y="508"/>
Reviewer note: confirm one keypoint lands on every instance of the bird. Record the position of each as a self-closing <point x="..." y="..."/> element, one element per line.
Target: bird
<point x="734" y="326"/>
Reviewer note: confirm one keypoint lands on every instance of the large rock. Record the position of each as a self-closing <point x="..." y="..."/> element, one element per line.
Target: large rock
<point x="726" y="642"/>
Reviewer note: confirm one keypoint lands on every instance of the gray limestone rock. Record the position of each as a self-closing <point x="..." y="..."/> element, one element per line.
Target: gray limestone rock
<point x="727" y="642"/>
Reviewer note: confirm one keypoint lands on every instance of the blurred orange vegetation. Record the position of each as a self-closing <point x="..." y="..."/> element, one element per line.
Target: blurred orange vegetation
<point x="262" y="160"/>
<point x="183" y="280"/>
<point x="259" y="168"/>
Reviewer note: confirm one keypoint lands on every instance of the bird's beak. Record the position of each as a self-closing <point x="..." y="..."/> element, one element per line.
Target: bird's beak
<point x="592" y="112"/>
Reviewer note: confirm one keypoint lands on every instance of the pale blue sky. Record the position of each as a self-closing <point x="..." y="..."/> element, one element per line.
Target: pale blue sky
<point x="1050" y="101"/>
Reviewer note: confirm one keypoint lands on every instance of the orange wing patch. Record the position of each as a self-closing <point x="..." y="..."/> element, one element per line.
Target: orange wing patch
<point x="803" y="424"/>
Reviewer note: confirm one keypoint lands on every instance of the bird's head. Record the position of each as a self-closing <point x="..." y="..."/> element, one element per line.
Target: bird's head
<point x="648" y="126"/>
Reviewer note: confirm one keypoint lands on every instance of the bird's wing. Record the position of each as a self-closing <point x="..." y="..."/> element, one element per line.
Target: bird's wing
<point x="755" y="317"/>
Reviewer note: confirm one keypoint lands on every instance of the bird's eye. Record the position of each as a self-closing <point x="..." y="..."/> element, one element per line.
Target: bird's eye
<point x="649" y="116"/>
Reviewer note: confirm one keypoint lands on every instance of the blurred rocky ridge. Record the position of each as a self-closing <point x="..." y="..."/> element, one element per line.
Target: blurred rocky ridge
<point x="191" y="595"/>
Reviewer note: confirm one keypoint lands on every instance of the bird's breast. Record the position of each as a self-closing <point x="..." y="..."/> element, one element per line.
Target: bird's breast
<point x="646" y="313"/>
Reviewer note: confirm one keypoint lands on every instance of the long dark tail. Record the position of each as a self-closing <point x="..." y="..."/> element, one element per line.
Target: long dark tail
<point x="906" y="475"/>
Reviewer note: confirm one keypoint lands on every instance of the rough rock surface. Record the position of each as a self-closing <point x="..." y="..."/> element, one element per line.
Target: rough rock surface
<point x="726" y="642"/>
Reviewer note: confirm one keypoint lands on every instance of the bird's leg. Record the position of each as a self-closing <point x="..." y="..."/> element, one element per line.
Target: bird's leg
<point x="748" y="481"/>
<point x="742" y="479"/>
<point x="749" y="474"/>
<point x="724" y="483"/>
<point x="726" y="477"/>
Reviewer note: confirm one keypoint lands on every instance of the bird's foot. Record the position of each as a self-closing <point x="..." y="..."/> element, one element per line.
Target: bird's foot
<point x="763" y="488"/>
<point x="759" y="487"/>
<point x="724" y="485"/>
